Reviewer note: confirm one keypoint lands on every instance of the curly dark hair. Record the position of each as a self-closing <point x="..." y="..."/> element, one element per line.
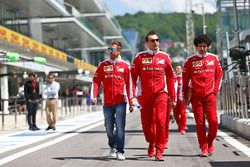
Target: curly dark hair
<point x="203" y="38"/>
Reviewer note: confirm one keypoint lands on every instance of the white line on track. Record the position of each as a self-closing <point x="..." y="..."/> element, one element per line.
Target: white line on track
<point x="235" y="143"/>
<point x="19" y="139"/>
<point x="57" y="140"/>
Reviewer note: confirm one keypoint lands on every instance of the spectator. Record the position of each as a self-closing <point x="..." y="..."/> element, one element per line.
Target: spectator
<point x="88" y="102"/>
<point x="31" y="93"/>
<point x="51" y="90"/>
<point x="21" y="98"/>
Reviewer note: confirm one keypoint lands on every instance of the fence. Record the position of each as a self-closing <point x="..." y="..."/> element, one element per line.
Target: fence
<point x="68" y="106"/>
<point x="234" y="99"/>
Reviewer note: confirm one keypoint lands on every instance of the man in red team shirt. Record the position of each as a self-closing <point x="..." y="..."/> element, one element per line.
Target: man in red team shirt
<point x="151" y="71"/>
<point x="203" y="71"/>
<point x="180" y="109"/>
<point x="114" y="74"/>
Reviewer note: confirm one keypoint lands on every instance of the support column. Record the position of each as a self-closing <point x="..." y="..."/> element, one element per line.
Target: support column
<point x="84" y="56"/>
<point x="4" y="90"/>
<point x="35" y="27"/>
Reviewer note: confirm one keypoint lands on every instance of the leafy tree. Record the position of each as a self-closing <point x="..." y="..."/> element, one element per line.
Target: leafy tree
<point x="168" y="25"/>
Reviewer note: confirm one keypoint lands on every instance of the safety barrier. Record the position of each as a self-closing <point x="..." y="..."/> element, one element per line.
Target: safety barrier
<point x="234" y="97"/>
<point x="67" y="106"/>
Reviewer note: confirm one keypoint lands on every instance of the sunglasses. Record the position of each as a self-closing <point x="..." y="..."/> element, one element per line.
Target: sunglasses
<point x="112" y="49"/>
<point x="154" y="40"/>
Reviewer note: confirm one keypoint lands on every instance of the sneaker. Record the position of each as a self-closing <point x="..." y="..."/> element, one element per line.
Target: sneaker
<point x="211" y="150"/>
<point x="120" y="156"/>
<point x="151" y="150"/>
<point x="204" y="152"/>
<point x="48" y="128"/>
<point x="166" y="145"/>
<point x="112" y="152"/>
<point x="182" y="132"/>
<point x="36" y="128"/>
<point x="32" y="128"/>
<point x="159" y="157"/>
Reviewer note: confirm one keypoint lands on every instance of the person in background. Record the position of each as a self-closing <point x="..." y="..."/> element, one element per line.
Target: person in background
<point x="31" y="93"/>
<point x="203" y="73"/>
<point x="153" y="69"/>
<point x="21" y="98"/>
<point x="51" y="91"/>
<point x="88" y="102"/>
<point x="114" y="74"/>
<point x="180" y="109"/>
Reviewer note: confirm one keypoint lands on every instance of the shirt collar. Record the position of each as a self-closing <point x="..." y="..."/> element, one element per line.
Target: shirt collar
<point x="153" y="52"/>
<point x="118" y="59"/>
<point x="200" y="55"/>
<point x="179" y="75"/>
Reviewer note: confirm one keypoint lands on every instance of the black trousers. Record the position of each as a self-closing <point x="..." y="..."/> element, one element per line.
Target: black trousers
<point x="32" y="109"/>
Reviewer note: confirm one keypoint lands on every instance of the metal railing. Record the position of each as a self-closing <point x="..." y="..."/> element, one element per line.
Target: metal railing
<point x="67" y="106"/>
<point x="235" y="97"/>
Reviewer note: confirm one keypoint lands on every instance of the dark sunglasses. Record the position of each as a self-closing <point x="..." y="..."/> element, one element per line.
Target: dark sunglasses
<point x="112" y="49"/>
<point x="154" y="40"/>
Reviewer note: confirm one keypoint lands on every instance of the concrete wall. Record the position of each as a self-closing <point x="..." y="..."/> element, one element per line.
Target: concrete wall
<point x="236" y="125"/>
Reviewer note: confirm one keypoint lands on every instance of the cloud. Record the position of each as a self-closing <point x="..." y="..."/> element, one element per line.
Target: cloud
<point x="209" y="6"/>
<point x="164" y="6"/>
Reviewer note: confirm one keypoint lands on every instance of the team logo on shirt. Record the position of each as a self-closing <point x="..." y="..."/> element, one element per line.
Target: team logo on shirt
<point x="209" y="63"/>
<point x="160" y="61"/>
<point x="146" y="60"/>
<point x="120" y="69"/>
<point x="196" y="63"/>
<point x="108" y="68"/>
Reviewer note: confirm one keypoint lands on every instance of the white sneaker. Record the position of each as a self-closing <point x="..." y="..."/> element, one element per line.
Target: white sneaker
<point x="112" y="152"/>
<point x="120" y="156"/>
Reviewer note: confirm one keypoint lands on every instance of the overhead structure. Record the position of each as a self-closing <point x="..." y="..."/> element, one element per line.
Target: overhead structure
<point x="69" y="34"/>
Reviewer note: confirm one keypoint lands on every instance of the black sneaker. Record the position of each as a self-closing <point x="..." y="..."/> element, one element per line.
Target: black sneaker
<point x="36" y="128"/>
<point x="48" y="128"/>
<point x="32" y="128"/>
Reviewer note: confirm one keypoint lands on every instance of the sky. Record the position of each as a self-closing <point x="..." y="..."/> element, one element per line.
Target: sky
<point x="120" y="7"/>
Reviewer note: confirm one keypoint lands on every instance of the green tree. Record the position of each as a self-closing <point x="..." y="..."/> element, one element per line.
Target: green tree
<point x="168" y="25"/>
